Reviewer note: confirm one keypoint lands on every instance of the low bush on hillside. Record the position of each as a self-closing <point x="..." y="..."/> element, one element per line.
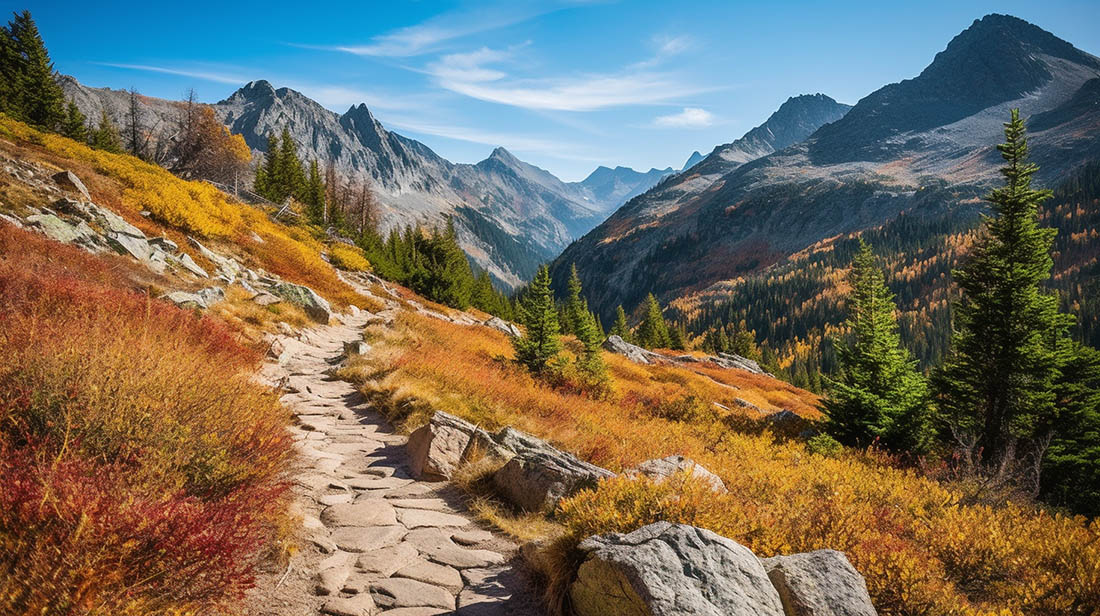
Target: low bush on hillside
<point x="130" y="185"/>
<point x="142" y="471"/>
<point x="348" y="257"/>
<point x="922" y="549"/>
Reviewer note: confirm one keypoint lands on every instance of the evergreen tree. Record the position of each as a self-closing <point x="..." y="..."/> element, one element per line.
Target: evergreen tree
<point x="267" y="173"/>
<point x="105" y="136"/>
<point x="591" y="362"/>
<point x="879" y="393"/>
<point x="1071" y="468"/>
<point x="575" y="310"/>
<point x="314" y="193"/>
<point x="676" y="337"/>
<point x="540" y="343"/>
<point x="75" y="125"/>
<point x="291" y="177"/>
<point x="997" y="387"/>
<point x="653" y="331"/>
<point x="619" y="327"/>
<point x="33" y="93"/>
<point x="9" y="73"/>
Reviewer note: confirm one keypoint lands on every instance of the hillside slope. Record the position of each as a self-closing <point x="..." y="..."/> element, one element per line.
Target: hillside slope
<point x="510" y="215"/>
<point x="861" y="172"/>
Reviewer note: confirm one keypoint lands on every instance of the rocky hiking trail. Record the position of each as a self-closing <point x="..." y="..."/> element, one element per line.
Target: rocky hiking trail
<point x="377" y="541"/>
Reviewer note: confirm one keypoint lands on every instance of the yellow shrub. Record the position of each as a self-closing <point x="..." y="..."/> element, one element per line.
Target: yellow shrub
<point x="348" y="257"/>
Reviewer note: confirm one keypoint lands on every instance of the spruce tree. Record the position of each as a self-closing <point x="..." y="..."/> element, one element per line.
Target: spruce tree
<point x="1071" y="467"/>
<point x="997" y="387"/>
<point x="38" y="99"/>
<point x="314" y="194"/>
<point x="540" y="343"/>
<point x="267" y="174"/>
<point x="591" y="362"/>
<point x="105" y="136"/>
<point x="75" y="125"/>
<point x="879" y="394"/>
<point x="575" y="310"/>
<point x="619" y="327"/>
<point x="653" y="331"/>
<point x="9" y="73"/>
<point x="291" y="177"/>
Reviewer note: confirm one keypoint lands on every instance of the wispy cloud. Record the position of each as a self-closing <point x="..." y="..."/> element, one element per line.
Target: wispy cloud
<point x="430" y="35"/>
<point x="690" y="117"/>
<point x="217" y="77"/>
<point x="665" y="47"/>
<point x="513" y="141"/>
<point x="477" y="75"/>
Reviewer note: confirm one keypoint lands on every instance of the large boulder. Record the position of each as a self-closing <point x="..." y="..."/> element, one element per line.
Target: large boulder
<point x="56" y="229"/>
<point x="633" y="352"/>
<point x="438" y="448"/>
<point x="663" y="469"/>
<point x="69" y="181"/>
<point x="735" y="361"/>
<point x="539" y="475"/>
<point x="315" y="306"/>
<point x="671" y="570"/>
<point x="821" y="583"/>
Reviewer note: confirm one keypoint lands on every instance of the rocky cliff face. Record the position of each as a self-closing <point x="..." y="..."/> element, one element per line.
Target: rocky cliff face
<point x="605" y="189"/>
<point x="510" y="215"/>
<point x="921" y="146"/>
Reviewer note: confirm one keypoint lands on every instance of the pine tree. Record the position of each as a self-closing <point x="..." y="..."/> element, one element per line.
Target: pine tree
<point x="591" y="362"/>
<point x="291" y="177"/>
<point x="75" y="125"/>
<point x="314" y="194"/>
<point x="540" y="343"/>
<point x="1071" y="468"/>
<point x="105" y="136"/>
<point x="35" y="96"/>
<point x="878" y="394"/>
<point x="653" y="331"/>
<point x="619" y="327"/>
<point x="9" y="73"/>
<point x="575" y="311"/>
<point x="997" y="386"/>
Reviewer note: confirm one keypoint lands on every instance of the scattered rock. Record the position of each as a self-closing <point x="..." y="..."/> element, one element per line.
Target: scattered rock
<point x="732" y="360"/>
<point x="436" y="449"/>
<point x="671" y="570"/>
<point x="501" y="325"/>
<point x="356" y="347"/>
<point x="227" y="268"/>
<point x="125" y="244"/>
<point x="330" y="581"/>
<point x="183" y="299"/>
<point x="11" y="220"/>
<point x="59" y="230"/>
<point x="364" y="539"/>
<point x="539" y="475"/>
<point x="165" y="244"/>
<point x="69" y="181"/>
<point x="664" y="468"/>
<point x="315" y="306"/>
<point x="263" y="298"/>
<point x="820" y="583"/>
<point x="114" y="224"/>
<point x="634" y="353"/>
<point x="186" y="262"/>
<point x="212" y="295"/>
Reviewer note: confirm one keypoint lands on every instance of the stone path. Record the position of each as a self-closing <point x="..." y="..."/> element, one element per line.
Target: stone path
<point x="380" y="542"/>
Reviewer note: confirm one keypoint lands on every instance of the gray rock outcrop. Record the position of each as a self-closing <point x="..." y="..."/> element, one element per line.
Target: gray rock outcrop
<point x="501" y="325"/>
<point x="539" y="475"/>
<point x="315" y="306"/>
<point x="633" y="352"/>
<point x="69" y="181"/>
<point x="671" y="570"/>
<point x="820" y="583"/>
<point x="438" y="448"/>
<point x="662" y="469"/>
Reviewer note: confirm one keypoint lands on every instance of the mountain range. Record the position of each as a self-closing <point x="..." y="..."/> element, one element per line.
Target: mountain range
<point x="510" y="215"/>
<point x="817" y="170"/>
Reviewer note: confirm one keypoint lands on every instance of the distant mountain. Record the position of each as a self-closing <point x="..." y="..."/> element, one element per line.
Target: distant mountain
<point x="923" y="147"/>
<point x="692" y="160"/>
<point x="606" y="189"/>
<point x="510" y="216"/>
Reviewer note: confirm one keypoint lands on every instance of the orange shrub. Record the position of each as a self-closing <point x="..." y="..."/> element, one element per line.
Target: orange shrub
<point x="920" y="550"/>
<point x="142" y="469"/>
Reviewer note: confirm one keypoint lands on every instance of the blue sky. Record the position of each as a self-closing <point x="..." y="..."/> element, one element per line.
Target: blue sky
<point x="567" y="84"/>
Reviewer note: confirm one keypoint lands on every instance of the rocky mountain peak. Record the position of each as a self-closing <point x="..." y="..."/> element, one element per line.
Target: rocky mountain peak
<point x="504" y="156"/>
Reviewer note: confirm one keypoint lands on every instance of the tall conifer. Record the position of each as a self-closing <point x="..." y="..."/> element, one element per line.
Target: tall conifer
<point x="541" y="342"/>
<point x="653" y="331"/>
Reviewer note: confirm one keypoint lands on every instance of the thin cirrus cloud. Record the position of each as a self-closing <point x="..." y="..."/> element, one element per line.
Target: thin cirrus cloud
<point x="203" y="75"/>
<point x="475" y="74"/>
<point x="690" y="117"/>
<point x="558" y="149"/>
<point x="430" y="35"/>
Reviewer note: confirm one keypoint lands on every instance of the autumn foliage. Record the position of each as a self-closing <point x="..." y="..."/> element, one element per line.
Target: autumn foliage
<point x="922" y="548"/>
<point x="142" y="471"/>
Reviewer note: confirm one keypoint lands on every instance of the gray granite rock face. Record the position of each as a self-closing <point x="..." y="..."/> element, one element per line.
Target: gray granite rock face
<point x="539" y="475"/>
<point x="820" y="583"/>
<point x="315" y="306"/>
<point x="671" y="570"/>
<point x="633" y="352"/>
